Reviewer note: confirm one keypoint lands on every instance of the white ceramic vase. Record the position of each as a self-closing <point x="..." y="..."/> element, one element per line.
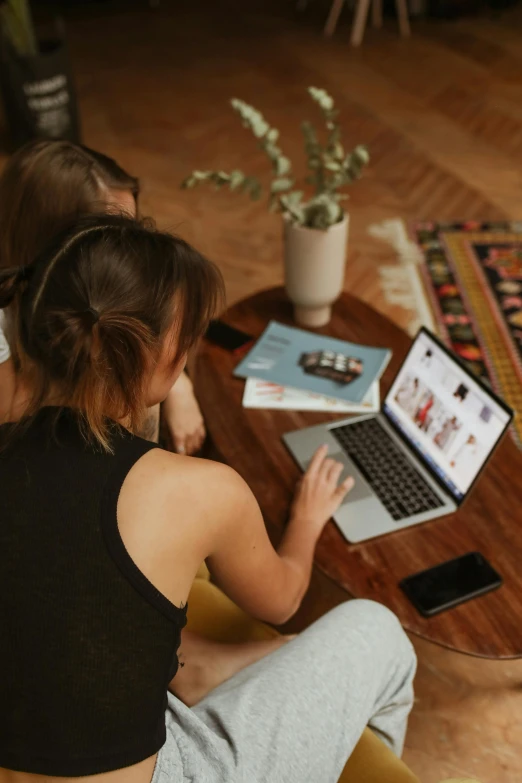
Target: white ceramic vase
<point x="314" y="270"/>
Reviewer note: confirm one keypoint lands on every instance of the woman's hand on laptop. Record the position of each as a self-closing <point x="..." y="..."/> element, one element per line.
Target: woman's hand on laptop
<point x="319" y="494"/>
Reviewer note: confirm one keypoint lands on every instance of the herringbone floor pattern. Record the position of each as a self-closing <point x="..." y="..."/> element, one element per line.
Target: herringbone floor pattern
<point x="442" y="116"/>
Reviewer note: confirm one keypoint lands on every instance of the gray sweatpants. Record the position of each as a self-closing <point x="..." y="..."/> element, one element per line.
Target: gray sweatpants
<point x="296" y="715"/>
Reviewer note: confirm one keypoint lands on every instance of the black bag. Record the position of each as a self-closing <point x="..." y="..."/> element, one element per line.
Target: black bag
<point x="38" y="93"/>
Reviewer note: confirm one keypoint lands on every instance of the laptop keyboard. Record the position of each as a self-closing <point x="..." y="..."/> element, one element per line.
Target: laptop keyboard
<point x="399" y="487"/>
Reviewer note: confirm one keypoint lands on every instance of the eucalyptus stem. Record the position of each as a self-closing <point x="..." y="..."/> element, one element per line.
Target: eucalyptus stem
<point x="331" y="168"/>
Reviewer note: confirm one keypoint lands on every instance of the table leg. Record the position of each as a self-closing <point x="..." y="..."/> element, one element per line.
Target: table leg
<point x="377" y="13"/>
<point x="359" y="22"/>
<point x="402" y="14"/>
<point x="333" y="17"/>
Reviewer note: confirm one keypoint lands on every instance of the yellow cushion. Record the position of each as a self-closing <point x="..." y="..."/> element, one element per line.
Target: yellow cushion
<point x="373" y="762"/>
<point x="216" y="617"/>
<point x="203" y="572"/>
<point x="213" y="615"/>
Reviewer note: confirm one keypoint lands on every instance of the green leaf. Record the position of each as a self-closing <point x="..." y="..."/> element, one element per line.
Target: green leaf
<point x="195" y="178"/>
<point x="283" y="166"/>
<point x="292" y="208"/>
<point x="271" y="150"/>
<point x="332" y="165"/>
<point x="321" y="97"/>
<point x="237" y="179"/>
<point x="281" y="184"/>
<point x="251" y="118"/>
<point x="294" y="198"/>
<point x="361" y="154"/>
<point x="337" y="151"/>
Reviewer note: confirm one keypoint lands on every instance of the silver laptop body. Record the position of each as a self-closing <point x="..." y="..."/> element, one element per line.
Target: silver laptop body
<point x="363" y="515"/>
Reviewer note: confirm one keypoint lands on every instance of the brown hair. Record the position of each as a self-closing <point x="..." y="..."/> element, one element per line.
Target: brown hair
<point x="47" y="185"/>
<point x="94" y="310"/>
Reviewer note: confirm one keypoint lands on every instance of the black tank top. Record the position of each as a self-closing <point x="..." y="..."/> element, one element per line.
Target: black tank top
<point x="87" y="644"/>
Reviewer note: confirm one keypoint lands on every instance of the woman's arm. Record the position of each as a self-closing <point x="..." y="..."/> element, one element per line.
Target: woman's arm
<point x="268" y="583"/>
<point x="7" y="375"/>
<point x="7" y="390"/>
<point x="183" y="417"/>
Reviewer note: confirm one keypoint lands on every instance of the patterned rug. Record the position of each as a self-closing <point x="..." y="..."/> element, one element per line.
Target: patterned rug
<point x="473" y="275"/>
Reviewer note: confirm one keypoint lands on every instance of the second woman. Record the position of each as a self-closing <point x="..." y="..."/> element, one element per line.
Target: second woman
<point x="44" y="187"/>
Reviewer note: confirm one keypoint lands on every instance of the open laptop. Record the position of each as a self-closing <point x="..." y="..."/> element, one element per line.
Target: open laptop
<point x="419" y="457"/>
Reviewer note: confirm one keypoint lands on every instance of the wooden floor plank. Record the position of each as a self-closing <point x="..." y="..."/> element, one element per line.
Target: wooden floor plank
<point x="442" y="115"/>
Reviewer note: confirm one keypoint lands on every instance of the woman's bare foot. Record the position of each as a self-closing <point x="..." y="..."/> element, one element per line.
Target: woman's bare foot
<point x="207" y="664"/>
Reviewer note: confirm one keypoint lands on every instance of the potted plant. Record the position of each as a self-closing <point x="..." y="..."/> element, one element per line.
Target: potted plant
<point x="315" y="226"/>
<point x="35" y="77"/>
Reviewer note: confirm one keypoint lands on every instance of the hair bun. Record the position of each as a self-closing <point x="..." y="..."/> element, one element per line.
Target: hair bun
<point x="93" y="314"/>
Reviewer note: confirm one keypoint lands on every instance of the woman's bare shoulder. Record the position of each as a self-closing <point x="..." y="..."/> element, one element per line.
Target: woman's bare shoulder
<point x="163" y="478"/>
<point x="184" y="502"/>
<point x="167" y="465"/>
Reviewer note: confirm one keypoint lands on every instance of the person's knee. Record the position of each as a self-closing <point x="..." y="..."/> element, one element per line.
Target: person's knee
<point x="361" y="610"/>
<point x="375" y="622"/>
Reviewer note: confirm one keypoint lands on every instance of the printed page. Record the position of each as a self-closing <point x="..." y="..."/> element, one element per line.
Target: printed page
<point x="262" y="394"/>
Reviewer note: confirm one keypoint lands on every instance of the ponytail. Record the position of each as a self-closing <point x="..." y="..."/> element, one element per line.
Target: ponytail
<point x="101" y="361"/>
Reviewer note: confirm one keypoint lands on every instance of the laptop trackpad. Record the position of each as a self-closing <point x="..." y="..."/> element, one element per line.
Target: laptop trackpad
<point x="361" y="490"/>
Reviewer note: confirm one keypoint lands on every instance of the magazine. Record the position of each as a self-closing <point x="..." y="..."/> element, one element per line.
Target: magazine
<point x="314" y="363"/>
<point x="262" y="394"/>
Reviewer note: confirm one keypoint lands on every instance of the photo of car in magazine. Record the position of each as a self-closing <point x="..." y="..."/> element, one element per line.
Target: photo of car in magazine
<point x="334" y="366"/>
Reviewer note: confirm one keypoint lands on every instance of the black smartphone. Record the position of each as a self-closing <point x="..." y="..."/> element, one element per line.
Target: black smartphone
<point x="451" y="583"/>
<point x="227" y="336"/>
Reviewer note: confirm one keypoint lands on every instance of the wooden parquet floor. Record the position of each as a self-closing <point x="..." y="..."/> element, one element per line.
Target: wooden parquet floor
<point x="442" y="116"/>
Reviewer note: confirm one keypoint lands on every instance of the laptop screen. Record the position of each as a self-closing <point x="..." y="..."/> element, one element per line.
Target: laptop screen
<point x="448" y="418"/>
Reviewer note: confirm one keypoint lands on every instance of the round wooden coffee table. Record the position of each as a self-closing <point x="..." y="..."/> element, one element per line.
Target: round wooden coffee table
<point x="490" y="521"/>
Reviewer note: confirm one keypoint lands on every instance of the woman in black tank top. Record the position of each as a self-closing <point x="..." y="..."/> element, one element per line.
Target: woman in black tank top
<point x="78" y="619"/>
<point x="102" y="533"/>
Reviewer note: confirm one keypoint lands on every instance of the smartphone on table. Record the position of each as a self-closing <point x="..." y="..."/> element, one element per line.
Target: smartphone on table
<point x="228" y="337"/>
<point x="450" y="584"/>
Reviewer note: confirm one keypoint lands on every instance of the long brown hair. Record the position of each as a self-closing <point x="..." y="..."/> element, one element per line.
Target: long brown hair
<point x="94" y="310"/>
<point x="47" y="185"/>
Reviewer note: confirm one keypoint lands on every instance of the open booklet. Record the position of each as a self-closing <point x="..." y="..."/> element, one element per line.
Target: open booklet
<point x="262" y="394"/>
<point x="311" y="362"/>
